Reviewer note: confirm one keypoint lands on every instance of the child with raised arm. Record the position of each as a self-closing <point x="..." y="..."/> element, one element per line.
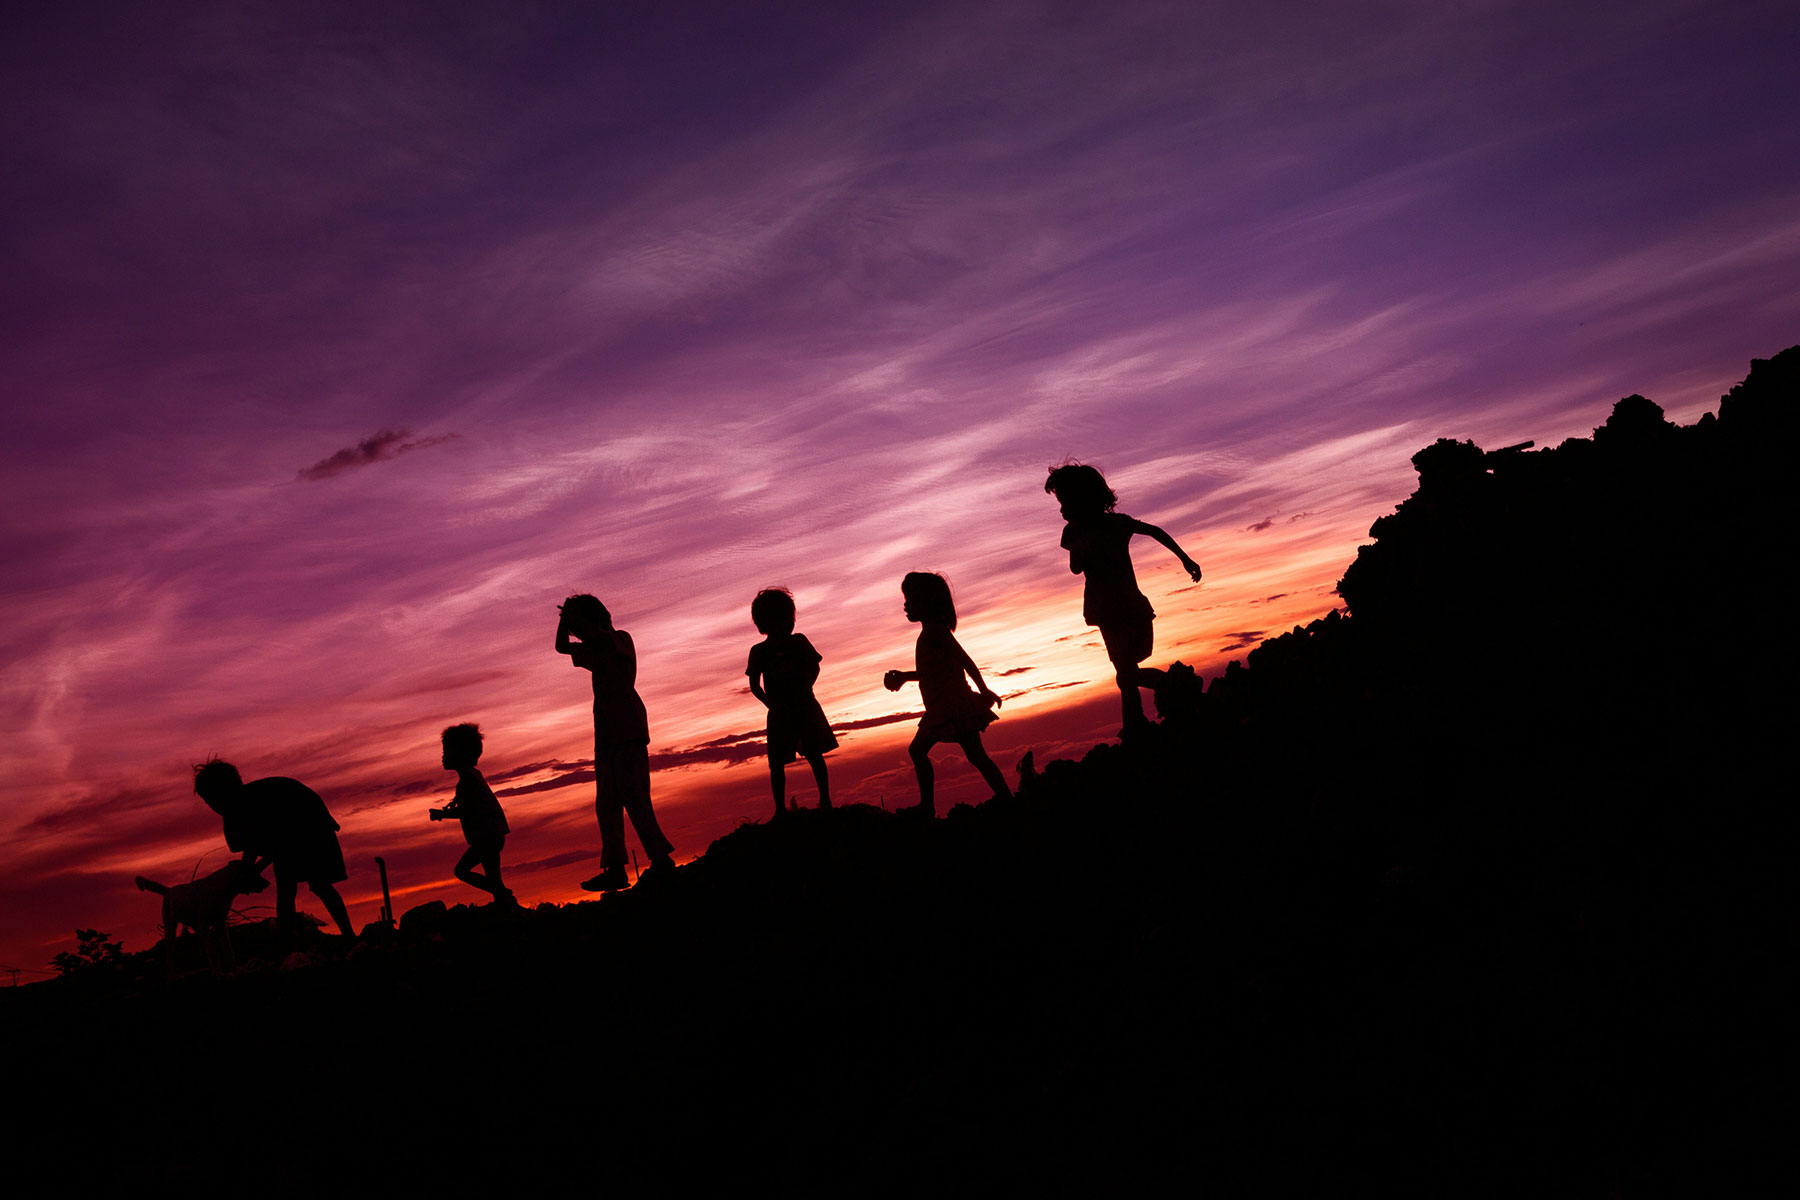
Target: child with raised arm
<point x="621" y="740"/>
<point x="783" y="667"/>
<point x="484" y="825"/>
<point x="953" y="713"/>
<point x="1099" y="544"/>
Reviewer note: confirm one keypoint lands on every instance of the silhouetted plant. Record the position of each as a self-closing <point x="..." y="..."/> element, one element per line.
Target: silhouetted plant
<point x="92" y="952"/>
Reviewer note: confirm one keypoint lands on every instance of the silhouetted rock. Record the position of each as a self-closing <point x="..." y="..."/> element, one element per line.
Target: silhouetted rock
<point x="423" y="919"/>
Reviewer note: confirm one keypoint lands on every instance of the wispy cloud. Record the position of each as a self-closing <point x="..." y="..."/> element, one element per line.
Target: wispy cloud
<point x="380" y="446"/>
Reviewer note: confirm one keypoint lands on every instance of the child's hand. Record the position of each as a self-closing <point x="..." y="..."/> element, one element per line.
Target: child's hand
<point x="1193" y="569"/>
<point x="893" y="679"/>
<point x="988" y="695"/>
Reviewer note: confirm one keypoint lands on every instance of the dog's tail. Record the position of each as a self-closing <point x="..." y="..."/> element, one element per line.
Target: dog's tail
<point x="150" y="885"/>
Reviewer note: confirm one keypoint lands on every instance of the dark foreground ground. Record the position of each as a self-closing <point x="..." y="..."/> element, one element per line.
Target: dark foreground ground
<point x="1121" y="976"/>
<point x="1484" y="888"/>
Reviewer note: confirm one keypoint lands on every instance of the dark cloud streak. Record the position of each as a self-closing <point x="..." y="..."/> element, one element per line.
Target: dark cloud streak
<point x="380" y="446"/>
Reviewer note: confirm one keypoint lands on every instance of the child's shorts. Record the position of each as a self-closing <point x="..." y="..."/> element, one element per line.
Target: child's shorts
<point x="798" y="728"/>
<point x="1128" y="642"/>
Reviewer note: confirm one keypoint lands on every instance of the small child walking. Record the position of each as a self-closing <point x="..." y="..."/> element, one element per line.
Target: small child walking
<point x="953" y="713"/>
<point x="783" y="667"/>
<point x="1099" y="544"/>
<point x="475" y="805"/>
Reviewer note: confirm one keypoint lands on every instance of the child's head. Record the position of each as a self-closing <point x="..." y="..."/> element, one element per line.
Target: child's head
<point x="586" y="612"/>
<point x="462" y="746"/>
<point x="217" y="782"/>
<point x="773" y="611"/>
<point x="1080" y="489"/>
<point x="928" y="599"/>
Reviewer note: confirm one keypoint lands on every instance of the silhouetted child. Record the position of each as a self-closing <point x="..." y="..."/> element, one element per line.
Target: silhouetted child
<point x="475" y="805"/>
<point x="953" y="713"/>
<point x="621" y="740"/>
<point x="1099" y="544"/>
<point x="279" y="822"/>
<point x="783" y="667"/>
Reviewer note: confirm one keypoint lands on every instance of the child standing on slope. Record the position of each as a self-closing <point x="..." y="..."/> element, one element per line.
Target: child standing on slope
<point x="783" y="667"/>
<point x="621" y="741"/>
<point x="475" y="805"/>
<point x="1099" y="544"/>
<point x="953" y="713"/>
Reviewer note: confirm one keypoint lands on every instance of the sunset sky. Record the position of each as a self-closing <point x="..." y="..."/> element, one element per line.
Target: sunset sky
<point x="341" y="342"/>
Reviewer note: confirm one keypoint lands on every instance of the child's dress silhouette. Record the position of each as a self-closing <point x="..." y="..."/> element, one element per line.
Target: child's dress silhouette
<point x="954" y="712"/>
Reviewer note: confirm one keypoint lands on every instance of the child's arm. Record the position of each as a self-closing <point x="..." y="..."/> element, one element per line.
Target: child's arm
<point x="810" y="657"/>
<point x="756" y="688"/>
<point x="563" y="645"/>
<point x="1152" y="531"/>
<point x="1076" y="564"/>
<point x="894" y="679"/>
<point x="968" y="664"/>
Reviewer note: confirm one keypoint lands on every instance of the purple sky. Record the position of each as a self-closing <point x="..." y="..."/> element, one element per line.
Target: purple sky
<point x="339" y="345"/>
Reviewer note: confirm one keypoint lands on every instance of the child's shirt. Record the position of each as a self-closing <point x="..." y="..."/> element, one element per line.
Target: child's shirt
<point x="788" y="665"/>
<point x="276" y="817"/>
<point x="478" y="808"/>
<point x="619" y="715"/>
<point x="1100" y="548"/>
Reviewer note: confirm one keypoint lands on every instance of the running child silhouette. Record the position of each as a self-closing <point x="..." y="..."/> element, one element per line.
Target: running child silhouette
<point x="475" y="805"/>
<point x="1099" y="544"/>
<point x="953" y="713"/>
<point x="783" y="667"/>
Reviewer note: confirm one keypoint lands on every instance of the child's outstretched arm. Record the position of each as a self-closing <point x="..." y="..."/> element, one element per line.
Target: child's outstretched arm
<point x="1156" y="532"/>
<point x="894" y="679"/>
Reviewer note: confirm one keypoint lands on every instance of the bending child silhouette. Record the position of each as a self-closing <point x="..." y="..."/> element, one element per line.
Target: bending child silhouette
<point x="484" y="825"/>
<point x="621" y="740"/>
<point x="281" y="822"/>
<point x="1099" y="544"/>
<point x="953" y="713"/>
<point x="783" y="667"/>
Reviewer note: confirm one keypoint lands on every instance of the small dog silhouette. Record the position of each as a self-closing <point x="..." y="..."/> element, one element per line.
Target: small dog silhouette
<point x="204" y="906"/>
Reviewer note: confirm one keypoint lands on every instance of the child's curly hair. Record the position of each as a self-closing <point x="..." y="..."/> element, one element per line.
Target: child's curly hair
<point x="931" y="599"/>
<point x="1081" y="487"/>
<point x="216" y="777"/>
<point x="463" y="742"/>
<point x="773" y="611"/>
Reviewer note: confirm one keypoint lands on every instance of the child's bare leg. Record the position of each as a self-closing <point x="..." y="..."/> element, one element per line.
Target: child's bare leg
<point x="921" y="757"/>
<point x="817" y="762"/>
<point x="285" y="891"/>
<point x="1131" y="701"/>
<point x="978" y="758"/>
<point x="490" y="862"/>
<point x="778" y="784"/>
<point x="334" y="904"/>
<point x="465" y="871"/>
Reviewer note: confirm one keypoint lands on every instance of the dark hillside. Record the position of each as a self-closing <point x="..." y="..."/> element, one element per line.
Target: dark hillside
<point x="1480" y="887"/>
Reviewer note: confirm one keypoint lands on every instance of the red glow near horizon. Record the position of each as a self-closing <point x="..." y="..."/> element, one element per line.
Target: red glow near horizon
<point x="340" y="353"/>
